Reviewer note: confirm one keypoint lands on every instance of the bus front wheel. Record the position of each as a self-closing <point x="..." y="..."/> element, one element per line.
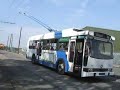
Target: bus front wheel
<point x="61" y="68"/>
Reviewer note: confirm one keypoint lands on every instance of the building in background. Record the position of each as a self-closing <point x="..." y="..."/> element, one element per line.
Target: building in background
<point x="114" y="33"/>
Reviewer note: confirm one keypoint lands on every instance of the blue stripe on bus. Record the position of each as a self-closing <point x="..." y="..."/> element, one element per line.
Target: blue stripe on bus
<point x="58" y="34"/>
<point x="46" y="63"/>
<point x="62" y="55"/>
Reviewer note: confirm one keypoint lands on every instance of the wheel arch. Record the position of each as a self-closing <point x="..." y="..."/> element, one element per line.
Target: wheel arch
<point x="33" y="55"/>
<point x="65" y="62"/>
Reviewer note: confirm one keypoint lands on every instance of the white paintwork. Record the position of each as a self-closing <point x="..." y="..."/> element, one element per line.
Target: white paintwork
<point x="97" y="63"/>
<point x="71" y="64"/>
<point x="49" y="35"/>
<point x="30" y="52"/>
<point x="91" y="74"/>
<point x="113" y="38"/>
<point x="49" y="55"/>
<point x="70" y="32"/>
<point x="36" y="37"/>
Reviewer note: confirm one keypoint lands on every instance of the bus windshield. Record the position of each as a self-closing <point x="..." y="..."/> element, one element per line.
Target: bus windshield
<point x="100" y="49"/>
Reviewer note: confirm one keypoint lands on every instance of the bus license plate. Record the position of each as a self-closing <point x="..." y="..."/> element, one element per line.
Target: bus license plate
<point x="101" y="73"/>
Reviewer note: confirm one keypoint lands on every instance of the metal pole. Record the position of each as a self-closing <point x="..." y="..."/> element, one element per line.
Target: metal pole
<point x="7" y="43"/>
<point x="19" y="40"/>
<point x="12" y="42"/>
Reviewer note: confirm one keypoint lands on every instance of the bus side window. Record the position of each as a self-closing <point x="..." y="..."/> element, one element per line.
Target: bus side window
<point x="32" y="45"/>
<point x="72" y="46"/>
<point x="63" y="46"/>
<point x="38" y="47"/>
<point x="53" y="44"/>
<point x="45" y="45"/>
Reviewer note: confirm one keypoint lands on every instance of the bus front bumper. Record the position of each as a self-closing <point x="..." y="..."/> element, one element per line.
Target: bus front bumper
<point x="95" y="74"/>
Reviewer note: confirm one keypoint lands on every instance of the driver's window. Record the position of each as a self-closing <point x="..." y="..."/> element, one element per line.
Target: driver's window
<point x="72" y="47"/>
<point x="86" y="54"/>
<point x="87" y="51"/>
<point x="79" y="47"/>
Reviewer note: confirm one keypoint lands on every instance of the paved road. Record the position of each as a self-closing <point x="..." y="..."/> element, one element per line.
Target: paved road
<point x="17" y="73"/>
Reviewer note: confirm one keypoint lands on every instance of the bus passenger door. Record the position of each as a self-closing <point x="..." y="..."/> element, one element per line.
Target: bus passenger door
<point x="71" y="52"/>
<point x="78" y="58"/>
<point x="75" y="56"/>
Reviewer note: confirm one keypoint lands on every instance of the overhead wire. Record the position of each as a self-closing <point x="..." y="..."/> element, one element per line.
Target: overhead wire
<point x="12" y="3"/>
<point x="19" y="4"/>
<point x="38" y="21"/>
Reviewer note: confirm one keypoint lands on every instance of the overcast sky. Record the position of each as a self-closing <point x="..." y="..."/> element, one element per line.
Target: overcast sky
<point x="58" y="14"/>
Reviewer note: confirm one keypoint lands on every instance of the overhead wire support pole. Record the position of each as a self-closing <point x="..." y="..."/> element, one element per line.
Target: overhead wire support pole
<point x="10" y="38"/>
<point x="7" y="43"/>
<point x="10" y="42"/>
<point x="19" y="40"/>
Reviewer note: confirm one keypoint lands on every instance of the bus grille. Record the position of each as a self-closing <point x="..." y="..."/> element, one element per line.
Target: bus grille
<point x="95" y="70"/>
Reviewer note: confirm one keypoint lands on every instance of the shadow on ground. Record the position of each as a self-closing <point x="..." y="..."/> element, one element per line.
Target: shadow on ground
<point x="23" y="75"/>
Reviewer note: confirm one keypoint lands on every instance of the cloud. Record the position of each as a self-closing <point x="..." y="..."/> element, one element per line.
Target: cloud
<point x="84" y="4"/>
<point x="77" y="7"/>
<point x="57" y="2"/>
<point x="78" y="12"/>
<point x="107" y="2"/>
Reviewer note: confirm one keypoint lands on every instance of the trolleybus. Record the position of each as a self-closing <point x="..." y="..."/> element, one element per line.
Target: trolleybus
<point x="81" y="52"/>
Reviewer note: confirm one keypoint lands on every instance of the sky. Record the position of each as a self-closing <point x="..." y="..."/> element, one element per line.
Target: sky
<point x="58" y="14"/>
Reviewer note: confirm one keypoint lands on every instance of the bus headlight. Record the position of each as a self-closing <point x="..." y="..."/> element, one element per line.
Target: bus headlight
<point x="90" y="70"/>
<point x="110" y="69"/>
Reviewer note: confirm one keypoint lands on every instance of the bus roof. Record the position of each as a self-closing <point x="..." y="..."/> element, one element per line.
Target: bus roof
<point x="67" y="33"/>
<point x="75" y="32"/>
<point x="36" y="37"/>
<point x="51" y="35"/>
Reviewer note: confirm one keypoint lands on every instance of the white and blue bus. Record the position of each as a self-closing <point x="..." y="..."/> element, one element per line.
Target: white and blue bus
<point x="81" y="52"/>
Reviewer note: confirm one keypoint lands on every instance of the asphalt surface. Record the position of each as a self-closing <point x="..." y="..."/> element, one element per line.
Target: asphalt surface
<point x="18" y="73"/>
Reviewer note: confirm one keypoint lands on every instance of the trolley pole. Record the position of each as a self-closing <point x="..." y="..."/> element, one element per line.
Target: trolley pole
<point x="19" y="40"/>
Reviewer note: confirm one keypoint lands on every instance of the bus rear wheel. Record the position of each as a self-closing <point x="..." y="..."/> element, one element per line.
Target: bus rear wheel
<point x="33" y="59"/>
<point x="61" y="68"/>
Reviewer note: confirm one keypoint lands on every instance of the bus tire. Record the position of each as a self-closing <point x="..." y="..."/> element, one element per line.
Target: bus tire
<point x="33" y="59"/>
<point x="61" y="67"/>
<point x="26" y="56"/>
